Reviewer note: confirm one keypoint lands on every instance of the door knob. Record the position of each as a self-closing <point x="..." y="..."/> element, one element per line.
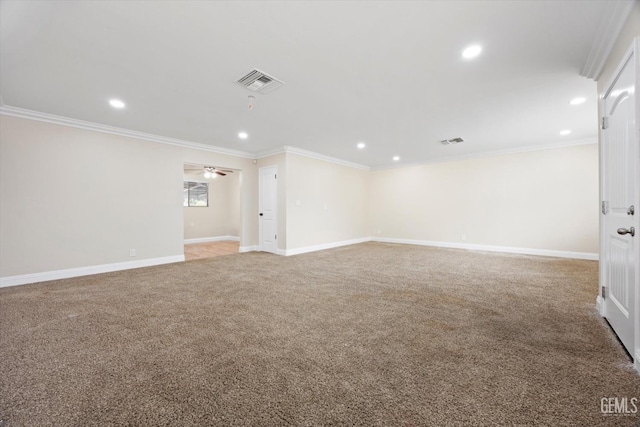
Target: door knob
<point x="623" y="231"/>
<point x="261" y="214"/>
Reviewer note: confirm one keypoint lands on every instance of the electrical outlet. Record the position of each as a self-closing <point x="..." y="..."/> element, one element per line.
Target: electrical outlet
<point x="132" y="252"/>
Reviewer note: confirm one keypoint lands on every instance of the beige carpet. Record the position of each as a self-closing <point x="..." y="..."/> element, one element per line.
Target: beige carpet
<point x="372" y="334"/>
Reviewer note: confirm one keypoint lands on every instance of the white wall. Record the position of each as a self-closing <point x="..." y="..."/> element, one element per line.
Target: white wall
<point x="319" y="202"/>
<point x="325" y="202"/>
<point x="91" y="196"/>
<point x="545" y="200"/>
<point x="222" y="216"/>
<point x="72" y="198"/>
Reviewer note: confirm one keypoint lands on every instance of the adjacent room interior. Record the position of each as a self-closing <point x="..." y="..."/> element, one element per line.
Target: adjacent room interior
<point x="319" y="213"/>
<point x="211" y="201"/>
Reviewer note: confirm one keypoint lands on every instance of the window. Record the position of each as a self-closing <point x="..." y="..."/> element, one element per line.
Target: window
<point x="195" y="194"/>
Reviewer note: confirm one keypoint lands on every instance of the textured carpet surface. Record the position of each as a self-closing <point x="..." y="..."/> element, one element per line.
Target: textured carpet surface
<point x="371" y="334"/>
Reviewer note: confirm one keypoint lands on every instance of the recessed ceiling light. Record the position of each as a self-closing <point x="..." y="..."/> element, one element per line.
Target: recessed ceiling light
<point x="361" y="145"/>
<point x="577" y="101"/>
<point x="116" y="103"/>
<point x="396" y="158"/>
<point x="472" y="51"/>
<point x="565" y="132"/>
<point x="243" y="135"/>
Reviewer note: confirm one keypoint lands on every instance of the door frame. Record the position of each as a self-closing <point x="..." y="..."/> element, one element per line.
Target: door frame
<point x="275" y="208"/>
<point x="600" y="305"/>
<point x="241" y="194"/>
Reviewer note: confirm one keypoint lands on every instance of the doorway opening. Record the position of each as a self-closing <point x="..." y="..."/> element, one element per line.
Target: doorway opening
<point x="211" y="211"/>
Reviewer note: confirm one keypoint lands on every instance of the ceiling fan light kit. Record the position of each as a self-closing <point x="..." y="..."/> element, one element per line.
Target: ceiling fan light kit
<point x="210" y="172"/>
<point x="451" y="141"/>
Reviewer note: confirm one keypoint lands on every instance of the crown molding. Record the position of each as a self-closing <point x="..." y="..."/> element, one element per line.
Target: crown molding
<point x="613" y="19"/>
<point x="494" y="153"/>
<point x="318" y="156"/>
<point x="311" y="154"/>
<point x="65" y="121"/>
<point x="81" y="124"/>
<point x="23" y="113"/>
<point x="268" y="153"/>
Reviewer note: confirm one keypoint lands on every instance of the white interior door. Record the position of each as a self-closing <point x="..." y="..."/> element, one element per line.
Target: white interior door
<point x="620" y="194"/>
<point x="268" y="202"/>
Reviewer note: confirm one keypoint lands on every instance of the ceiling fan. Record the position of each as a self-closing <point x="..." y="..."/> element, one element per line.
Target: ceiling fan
<point x="209" y="171"/>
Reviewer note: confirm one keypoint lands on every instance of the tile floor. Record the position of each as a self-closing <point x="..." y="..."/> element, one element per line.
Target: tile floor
<point x="210" y="249"/>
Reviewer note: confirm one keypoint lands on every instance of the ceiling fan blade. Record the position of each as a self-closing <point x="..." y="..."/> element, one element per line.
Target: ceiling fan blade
<point x="220" y="173"/>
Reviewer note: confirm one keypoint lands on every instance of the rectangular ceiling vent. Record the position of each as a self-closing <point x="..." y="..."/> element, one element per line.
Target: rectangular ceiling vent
<point x="259" y="81"/>
<point x="451" y="141"/>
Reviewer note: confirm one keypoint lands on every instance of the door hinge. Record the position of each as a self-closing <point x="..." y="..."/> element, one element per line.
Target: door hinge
<point x="604" y="292"/>
<point x="605" y="207"/>
<point x="605" y="122"/>
<point x="275" y="176"/>
<point x="276" y="237"/>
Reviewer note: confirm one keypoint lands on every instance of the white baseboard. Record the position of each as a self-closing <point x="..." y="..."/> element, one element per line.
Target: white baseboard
<point x="211" y="239"/>
<point x="490" y="248"/>
<point x="600" y="305"/>
<point x="304" y="250"/>
<point x="85" y="271"/>
<point x="105" y="268"/>
<point x="467" y="246"/>
<point x="257" y="249"/>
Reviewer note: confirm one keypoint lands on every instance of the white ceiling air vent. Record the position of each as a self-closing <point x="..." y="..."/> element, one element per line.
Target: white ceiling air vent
<point x="451" y="141"/>
<point x="259" y="81"/>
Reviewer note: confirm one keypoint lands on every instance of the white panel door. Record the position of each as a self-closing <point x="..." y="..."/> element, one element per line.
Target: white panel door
<point x="268" y="202"/>
<point x="620" y="205"/>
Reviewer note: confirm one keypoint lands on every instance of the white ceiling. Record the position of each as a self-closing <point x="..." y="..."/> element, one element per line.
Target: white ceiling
<point x="386" y="73"/>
